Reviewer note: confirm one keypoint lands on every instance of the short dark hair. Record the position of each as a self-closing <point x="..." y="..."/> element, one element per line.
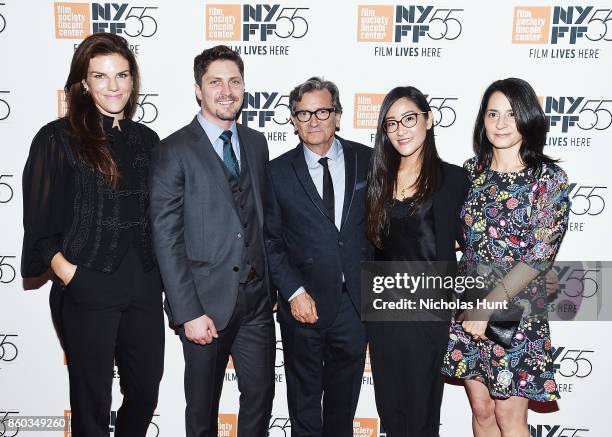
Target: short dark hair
<point x="315" y="84"/>
<point x="216" y="53"/>
<point x="530" y="122"/>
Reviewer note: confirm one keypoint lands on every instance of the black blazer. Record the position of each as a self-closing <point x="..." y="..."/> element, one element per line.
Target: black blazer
<point x="304" y="246"/>
<point x="62" y="197"/>
<point x="197" y="232"/>
<point x="447" y="203"/>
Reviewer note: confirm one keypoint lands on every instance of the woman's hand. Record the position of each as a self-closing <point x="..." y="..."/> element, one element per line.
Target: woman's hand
<point x="62" y="268"/>
<point x="472" y="326"/>
<point x="476" y="328"/>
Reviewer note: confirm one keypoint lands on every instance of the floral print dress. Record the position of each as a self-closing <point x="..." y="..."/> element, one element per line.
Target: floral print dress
<point x="509" y="217"/>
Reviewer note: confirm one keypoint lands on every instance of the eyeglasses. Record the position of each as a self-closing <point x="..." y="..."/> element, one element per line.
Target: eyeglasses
<point x="322" y="114"/>
<point x="409" y="120"/>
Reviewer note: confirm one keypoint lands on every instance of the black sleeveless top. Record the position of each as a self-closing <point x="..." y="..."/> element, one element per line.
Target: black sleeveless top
<point x="411" y="235"/>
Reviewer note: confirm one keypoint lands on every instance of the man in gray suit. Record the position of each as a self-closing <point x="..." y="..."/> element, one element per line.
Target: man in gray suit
<point x="207" y="222"/>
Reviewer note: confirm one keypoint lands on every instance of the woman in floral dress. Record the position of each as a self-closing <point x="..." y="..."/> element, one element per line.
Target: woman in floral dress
<point x="516" y="210"/>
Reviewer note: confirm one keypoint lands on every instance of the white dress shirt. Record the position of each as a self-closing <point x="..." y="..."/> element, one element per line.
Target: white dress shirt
<point x="338" y="175"/>
<point x="213" y="132"/>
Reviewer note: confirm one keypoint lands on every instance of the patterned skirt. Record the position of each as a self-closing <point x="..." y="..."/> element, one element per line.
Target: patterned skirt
<point x="524" y="369"/>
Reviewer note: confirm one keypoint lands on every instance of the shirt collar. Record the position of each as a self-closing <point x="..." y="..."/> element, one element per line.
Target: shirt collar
<point x="334" y="153"/>
<point x="213" y="131"/>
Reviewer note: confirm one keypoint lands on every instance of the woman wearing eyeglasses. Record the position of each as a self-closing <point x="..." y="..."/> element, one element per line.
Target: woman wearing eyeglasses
<point x="413" y="205"/>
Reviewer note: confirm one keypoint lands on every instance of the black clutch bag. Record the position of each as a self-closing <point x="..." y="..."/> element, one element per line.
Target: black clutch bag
<point x="503" y="325"/>
<point x="501" y="333"/>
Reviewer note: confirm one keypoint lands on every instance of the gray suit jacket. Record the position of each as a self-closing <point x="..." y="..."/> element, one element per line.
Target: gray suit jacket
<point x="197" y="233"/>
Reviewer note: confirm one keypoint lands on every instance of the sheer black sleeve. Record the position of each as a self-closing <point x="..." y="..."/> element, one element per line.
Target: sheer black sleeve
<point x="44" y="202"/>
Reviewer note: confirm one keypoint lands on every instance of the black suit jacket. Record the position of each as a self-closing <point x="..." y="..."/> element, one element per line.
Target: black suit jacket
<point x="448" y="200"/>
<point x="197" y="233"/>
<point x="447" y="203"/>
<point x="304" y="246"/>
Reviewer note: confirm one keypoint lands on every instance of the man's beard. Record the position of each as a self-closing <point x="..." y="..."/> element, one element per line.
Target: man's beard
<point x="227" y="116"/>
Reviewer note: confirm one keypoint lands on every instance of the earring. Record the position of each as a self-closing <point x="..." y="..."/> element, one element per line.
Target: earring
<point x="84" y="90"/>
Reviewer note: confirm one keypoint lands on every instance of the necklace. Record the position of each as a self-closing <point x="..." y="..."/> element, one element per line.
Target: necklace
<point x="404" y="185"/>
<point x="402" y="194"/>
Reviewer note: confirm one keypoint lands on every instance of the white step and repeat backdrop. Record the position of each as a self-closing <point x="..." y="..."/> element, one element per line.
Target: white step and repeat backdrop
<point x="450" y="50"/>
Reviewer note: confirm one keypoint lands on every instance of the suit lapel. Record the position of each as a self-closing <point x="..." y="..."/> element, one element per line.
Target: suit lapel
<point x="253" y="163"/>
<point x="303" y="175"/>
<point x="350" y="170"/>
<point x="210" y="160"/>
<point x="440" y="209"/>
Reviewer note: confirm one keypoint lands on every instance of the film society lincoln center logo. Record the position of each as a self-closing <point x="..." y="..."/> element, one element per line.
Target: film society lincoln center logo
<point x="227" y="425"/>
<point x="255" y="22"/>
<point x="397" y="30"/>
<point x="565" y="26"/>
<point x="367" y="107"/>
<point x="79" y="20"/>
<point x="365" y="427"/>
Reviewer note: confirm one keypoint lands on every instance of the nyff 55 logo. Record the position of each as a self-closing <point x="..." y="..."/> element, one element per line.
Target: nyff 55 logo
<point x="387" y="23"/>
<point x="8" y="348"/>
<point x="78" y="20"/>
<point x="2" y="20"/>
<point x="5" y="108"/>
<point x="561" y="24"/>
<point x="573" y="362"/>
<point x="567" y="112"/>
<point x="260" y="22"/>
<point x="262" y="107"/>
<point x="557" y="431"/>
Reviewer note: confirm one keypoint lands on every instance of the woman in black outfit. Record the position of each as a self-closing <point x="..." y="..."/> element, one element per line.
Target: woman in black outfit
<point x="86" y="217"/>
<point x="413" y="205"/>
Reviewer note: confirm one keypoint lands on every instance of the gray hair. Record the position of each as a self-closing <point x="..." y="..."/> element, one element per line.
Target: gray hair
<point x="315" y="84"/>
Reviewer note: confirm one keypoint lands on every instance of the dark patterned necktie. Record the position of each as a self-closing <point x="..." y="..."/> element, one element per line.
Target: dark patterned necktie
<point x="328" y="188"/>
<point x="229" y="157"/>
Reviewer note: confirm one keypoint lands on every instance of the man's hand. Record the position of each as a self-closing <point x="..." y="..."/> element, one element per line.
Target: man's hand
<point x="201" y="330"/>
<point x="304" y="309"/>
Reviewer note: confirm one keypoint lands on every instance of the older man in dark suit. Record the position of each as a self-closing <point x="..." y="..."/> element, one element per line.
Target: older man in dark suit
<point x="207" y="218"/>
<point x="315" y="239"/>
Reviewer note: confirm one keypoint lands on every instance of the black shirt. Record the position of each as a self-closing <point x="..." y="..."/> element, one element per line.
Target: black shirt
<point x="411" y="234"/>
<point x="69" y="208"/>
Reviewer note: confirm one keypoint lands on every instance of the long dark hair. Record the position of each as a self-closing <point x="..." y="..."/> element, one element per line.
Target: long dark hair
<point x="385" y="165"/>
<point x="530" y="122"/>
<point x="84" y="119"/>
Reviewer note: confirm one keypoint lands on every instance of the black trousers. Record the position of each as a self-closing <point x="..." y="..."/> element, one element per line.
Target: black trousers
<point x="406" y="358"/>
<point x="103" y="318"/>
<point x="324" y="363"/>
<point x="251" y="340"/>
